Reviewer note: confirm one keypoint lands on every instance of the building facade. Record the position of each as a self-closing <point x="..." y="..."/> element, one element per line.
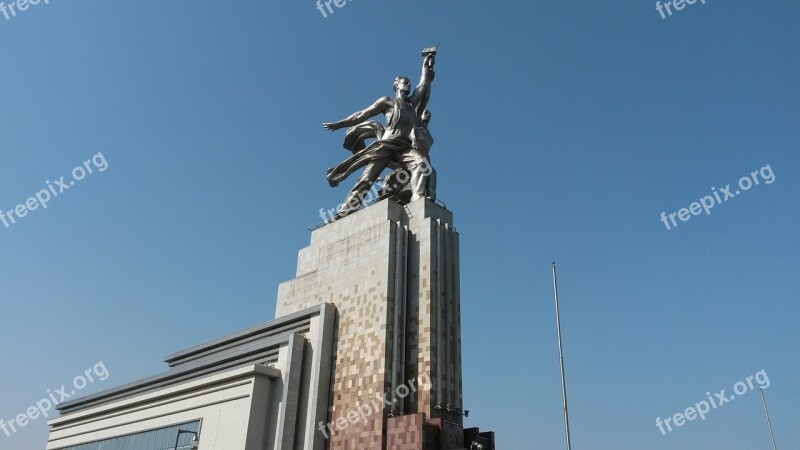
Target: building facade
<point x="364" y="353"/>
<point x="261" y="388"/>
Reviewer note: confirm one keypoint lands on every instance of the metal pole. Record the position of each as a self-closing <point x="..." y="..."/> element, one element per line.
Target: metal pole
<point x="561" y="358"/>
<point x="766" y="413"/>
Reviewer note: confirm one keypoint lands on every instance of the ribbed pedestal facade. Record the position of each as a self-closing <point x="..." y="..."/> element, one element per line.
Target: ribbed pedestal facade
<point x="392" y="272"/>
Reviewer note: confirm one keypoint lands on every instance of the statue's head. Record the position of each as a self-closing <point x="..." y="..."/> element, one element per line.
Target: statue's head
<point x="426" y="117"/>
<point x="402" y="86"/>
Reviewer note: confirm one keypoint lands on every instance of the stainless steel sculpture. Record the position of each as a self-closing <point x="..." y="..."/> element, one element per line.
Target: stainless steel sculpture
<point x="402" y="144"/>
<point x="422" y="141"/>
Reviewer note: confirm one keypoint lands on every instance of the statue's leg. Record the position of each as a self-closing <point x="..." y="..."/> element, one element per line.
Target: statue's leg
<point x="356" y="196"/>
<point x="430" y="188"/>
<point x="419" y="170"/>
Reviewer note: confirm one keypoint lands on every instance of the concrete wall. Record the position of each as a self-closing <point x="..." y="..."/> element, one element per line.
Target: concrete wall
<point x="224" y="402"/>
<point x="263" y="388"/>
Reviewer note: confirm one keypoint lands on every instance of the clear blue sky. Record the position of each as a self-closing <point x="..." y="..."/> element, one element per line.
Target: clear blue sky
<point x="563" y="129"/>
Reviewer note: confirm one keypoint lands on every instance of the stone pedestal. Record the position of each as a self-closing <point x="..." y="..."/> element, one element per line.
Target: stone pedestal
<point x="392" y="272"/>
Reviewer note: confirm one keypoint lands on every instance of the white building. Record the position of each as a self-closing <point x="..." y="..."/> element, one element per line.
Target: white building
<point x="265" y="387"/>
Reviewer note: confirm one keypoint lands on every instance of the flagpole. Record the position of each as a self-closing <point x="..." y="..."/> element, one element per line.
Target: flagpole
<point x="561" y="359"/>
<point x="766" y="413"/>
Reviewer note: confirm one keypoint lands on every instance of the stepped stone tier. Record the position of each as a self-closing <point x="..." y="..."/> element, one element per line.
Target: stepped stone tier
<point x="392" y="271"/>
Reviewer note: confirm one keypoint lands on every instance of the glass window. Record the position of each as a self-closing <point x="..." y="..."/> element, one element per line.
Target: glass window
<point x="160" y="439"/>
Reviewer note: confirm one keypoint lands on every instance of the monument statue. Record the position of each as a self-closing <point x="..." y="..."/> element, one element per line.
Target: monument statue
<point x="402" y="144"/>
<point x="417" y="178"/>
<point x="422" y="142"/>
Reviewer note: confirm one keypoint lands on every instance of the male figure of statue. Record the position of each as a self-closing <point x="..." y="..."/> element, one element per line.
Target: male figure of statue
<point x="393" y="140"/>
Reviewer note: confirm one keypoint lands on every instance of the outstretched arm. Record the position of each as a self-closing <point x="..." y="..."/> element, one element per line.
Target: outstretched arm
<point x="422" y="92"/>
<point x="381" y="106"/>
